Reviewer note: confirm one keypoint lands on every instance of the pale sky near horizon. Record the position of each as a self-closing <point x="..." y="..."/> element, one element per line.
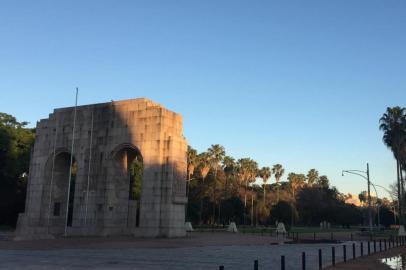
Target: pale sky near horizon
<point x="301" y="83"/>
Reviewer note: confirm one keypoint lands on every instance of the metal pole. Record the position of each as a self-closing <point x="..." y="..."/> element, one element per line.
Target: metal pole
<point x="369" y="200"/>
<point x="71" y="161"/>
<point x="88" y="170"/>
<point x="252" y="210"/>
<point x="52" y="175"/>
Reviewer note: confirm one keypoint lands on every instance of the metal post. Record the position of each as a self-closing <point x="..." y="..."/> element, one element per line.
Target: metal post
<point x="303" y="261"/>
<point x="282" y="262"/>
<point x="320" y="260"/>
<point x="362" y="249"/>
<point x="353" y="251"/>
<point x="345" y="253"/>
<point x="256" y="265"/>
<point x="333" y="255"/>
<point x="71" y="161"/>
<point x="385" y="244"/>
<point x="369" y="200"/>
<point x="369" y="248"/>
<point x="221" y="267"/>
<point x="380" y="245"/>
<point x="374" y="246"/>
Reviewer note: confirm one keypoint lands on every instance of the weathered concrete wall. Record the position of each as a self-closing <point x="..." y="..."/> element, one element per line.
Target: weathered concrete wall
<point x="111" y="132"/>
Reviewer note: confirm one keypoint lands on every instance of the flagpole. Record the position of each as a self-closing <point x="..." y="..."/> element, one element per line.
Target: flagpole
<point x="71" y="162"/>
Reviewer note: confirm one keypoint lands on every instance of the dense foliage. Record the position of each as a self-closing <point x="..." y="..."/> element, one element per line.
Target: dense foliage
<point x="222" y="189"/>
<point x="15" y="145"/>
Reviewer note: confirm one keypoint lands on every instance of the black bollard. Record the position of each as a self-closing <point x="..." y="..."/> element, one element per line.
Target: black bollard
<point x="221" y="267"/>
<point x="374" y="246"/>
<point x="333" y="255"/>
<point x="353" y="251"/>
<point x="369" y="248"/>
<point x="256" y="265"/>
<point x="384" y="240"/>
<point x="283" y="263"/>
<point x="303" y="261"/>
<point x="362" y="249"/>
<point x="345" y="253"/>
<point x="320" y="260"/>
<point x="380" y="245"/>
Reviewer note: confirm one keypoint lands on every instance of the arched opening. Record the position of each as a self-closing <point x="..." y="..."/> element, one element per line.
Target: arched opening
<point x="130" y="163"/>
<point x="58" y="169"/>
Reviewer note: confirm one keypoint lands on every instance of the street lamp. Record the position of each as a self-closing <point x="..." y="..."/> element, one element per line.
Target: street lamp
<point x="393" y="200"/>
<point x="365" y="175"/>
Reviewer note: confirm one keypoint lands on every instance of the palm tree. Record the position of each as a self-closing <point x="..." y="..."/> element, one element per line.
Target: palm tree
<point x="278" y="171"/>
<point x="216" y="153"/>
<point x="323" y="181"/>
<point x="296" y="181"/>
<point x="228" y="165"/>
<point x="191" y="165"/>
<point x="265" y="173"/>
<point x="312" y="177"/>
<point x="204" y="164"/>
<point x="393" y="125"/>
<point x="247" y="172"/>
<point x="204" y="168"/>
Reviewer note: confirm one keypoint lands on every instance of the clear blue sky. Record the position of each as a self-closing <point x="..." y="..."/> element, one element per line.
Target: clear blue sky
<point x="301" y="83"/>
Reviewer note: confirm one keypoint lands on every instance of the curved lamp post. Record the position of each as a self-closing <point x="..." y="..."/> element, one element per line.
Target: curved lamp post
<point x="365" y="175"/>
<point x="393" y="200"/>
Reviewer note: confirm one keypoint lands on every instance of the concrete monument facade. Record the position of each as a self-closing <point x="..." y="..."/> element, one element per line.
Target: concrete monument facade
<point x="108" y="137"/>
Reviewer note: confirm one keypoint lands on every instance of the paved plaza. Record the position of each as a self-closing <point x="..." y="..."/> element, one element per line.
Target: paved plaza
<point x="200" y="251"/>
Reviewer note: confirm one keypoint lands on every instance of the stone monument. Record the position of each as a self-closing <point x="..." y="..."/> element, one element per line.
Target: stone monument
<point x="125" y="176"/>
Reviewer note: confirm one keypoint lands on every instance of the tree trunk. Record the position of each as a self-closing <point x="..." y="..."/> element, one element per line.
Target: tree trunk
<point x="402" y="191"/>
<point x="399" y="194"/>
<point x="277" y="191"/>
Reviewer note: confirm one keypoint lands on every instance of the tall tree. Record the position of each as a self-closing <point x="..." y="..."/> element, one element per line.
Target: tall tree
<point x="216" y="155"/>
<point x="247" y="171"/>
<point x="393" y="125"/>
<point x="191" y="165"/>
<point x="278" y="171"/>
<point x="16" y="141"/>
<point x="312" y="177"/>
<point x="204" y="168"/>
<point x="265" y="173"/>
<point x="296" y="181"/>
<point x="323" y="182"/>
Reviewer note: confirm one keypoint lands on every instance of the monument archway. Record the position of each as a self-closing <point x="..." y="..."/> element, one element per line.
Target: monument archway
<point x="129" y="173"/>
<point x="55" y="195"/>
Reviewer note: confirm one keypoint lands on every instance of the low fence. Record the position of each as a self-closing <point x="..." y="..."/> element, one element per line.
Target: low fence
<point x="348" y="251"/>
